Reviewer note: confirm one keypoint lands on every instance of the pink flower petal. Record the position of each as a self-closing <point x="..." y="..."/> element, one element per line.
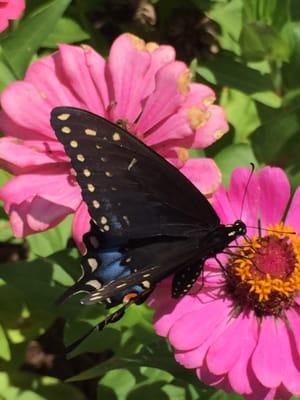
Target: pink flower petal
<point x="293" y="214"/>
<point x="274" y="194"/>
<point x="97" y="65"/>
<point x="217" y="381"/>
<point x="13" y="129"/>
<point x="199" y="95"/>
<point x="225" y="351"/>
<point x="194" y="358"/>
<point x="10" y="10"/>
<point x="176" y="127"/>
<point x="267" y="358"/>
<point x="128" y="63"/>
<point x="170" y="310"/>
<point x="203" y="173"/>
<point x="189" y="331"/>
<point x="238" y="374"/>
<point x="77" y="75"/>
<point x="175" y="155"/>
<point x="18" y="98"/>
<point x="17" y="157"/>
<point x="3" y="24"/>
<point x="18" y="219"/>
<point x="46" y="192"/>
<point x="223" y="206"/>
<point x="272" y="361"/>
<point x="80" y="225"/>
<point x="166" y="98"/>
<point x="160" y="56"/>
<point x="43" y="214"/>
<point x="13" y="9"/>
<point x="211" y="128"/>
<point x="294" y="321"/>
<point x="48" y="77"/>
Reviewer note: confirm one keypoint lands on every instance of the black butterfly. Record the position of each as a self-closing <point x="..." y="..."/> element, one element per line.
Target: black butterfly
<point x="148" y="221"/>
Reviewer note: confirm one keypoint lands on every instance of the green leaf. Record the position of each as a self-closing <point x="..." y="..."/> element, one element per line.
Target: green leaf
<point x="6" y="74"/>
<point x="275" y="13"/>
<point x="157" y="355"/>
<point x="229" y="16"/>
<point x="4" y="345"/>
<point x="48" y="242"/>
<point x="241" y="113"/>
<point x="5" y="230"/>
<point x="291" y="70"/>
<point x="20" y="46"/>
<point x="231" y="157"/>
<point x="259" y="42"/>
<point x="273" y="135"/>
<point x="125" y="379"/>
<point x="66" y="31"/>
<point x="227" y="71"/>
<point x="221" y="395"/>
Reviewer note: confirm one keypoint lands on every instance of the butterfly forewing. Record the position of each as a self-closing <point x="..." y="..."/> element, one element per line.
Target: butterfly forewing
<point x="131" y="192"/>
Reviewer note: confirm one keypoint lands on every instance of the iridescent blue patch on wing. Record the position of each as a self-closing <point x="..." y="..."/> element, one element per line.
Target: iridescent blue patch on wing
<point x="111" y="270"/>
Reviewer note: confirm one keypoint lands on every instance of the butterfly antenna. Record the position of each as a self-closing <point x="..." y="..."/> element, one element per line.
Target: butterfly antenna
<point x="271" y="230"/>
<point x="246" y="189"/>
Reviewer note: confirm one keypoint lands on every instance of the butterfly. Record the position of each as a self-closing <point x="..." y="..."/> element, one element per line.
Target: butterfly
<point x="148" y="221"/>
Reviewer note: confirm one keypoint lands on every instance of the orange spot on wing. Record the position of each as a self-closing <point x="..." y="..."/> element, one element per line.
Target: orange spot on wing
<point x="129" y="296"/>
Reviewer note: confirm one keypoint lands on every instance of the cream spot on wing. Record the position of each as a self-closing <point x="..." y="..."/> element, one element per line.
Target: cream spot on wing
<point x="94" y="283"/>
<point x="93" y="263"/>
<point x="132" y="162"/>
<point x="90" y="132"/>
<point x="74" y="144"/>
<point x="80" y="157"/>
<point x="104" y="159"/>
<point x="116" y="136"/>
<point x="86" y="172"/>
<point x="106" y="228"/>
<point x="96" y="204"/>
<point x="109" y="174"/>
<point x="103" y="220"/>
<point x="91" y="187"/>
<point x="66" y="129"/>
<point x="146" y="284"/>
<point x="96" y="296"/>
<point x="63" y="117"/>
<point x="126" y="219"/>
<point x="98" y="146"/>
<point x="121" y="285"/>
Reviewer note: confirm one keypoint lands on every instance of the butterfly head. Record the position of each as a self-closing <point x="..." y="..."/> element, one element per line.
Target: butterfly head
<point x="237" y="229"/>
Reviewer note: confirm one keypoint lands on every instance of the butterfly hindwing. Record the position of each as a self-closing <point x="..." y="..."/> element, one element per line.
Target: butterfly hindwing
<point x="142" y="266"/>
<point x="131" y="191"/>
<point x="184" y="279"/>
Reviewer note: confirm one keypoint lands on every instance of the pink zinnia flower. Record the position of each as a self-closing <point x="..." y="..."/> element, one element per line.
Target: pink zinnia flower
<point x="241" y="331"/>
<point x="141" y="84"/>
<point x="9" y="10"/>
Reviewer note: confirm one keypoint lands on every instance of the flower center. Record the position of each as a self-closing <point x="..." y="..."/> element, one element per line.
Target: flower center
<point x="265" y="273"/>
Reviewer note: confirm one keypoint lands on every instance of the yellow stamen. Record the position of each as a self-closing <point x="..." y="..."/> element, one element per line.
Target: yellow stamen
<point x="263" y="284"/>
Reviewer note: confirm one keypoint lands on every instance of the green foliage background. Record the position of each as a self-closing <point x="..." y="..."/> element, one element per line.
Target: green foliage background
<point x="252" y="60"/>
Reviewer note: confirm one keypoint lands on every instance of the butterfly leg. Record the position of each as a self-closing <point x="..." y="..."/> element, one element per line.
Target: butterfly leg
<point x="221" y="265"/>
<point x="111" y="318"/>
